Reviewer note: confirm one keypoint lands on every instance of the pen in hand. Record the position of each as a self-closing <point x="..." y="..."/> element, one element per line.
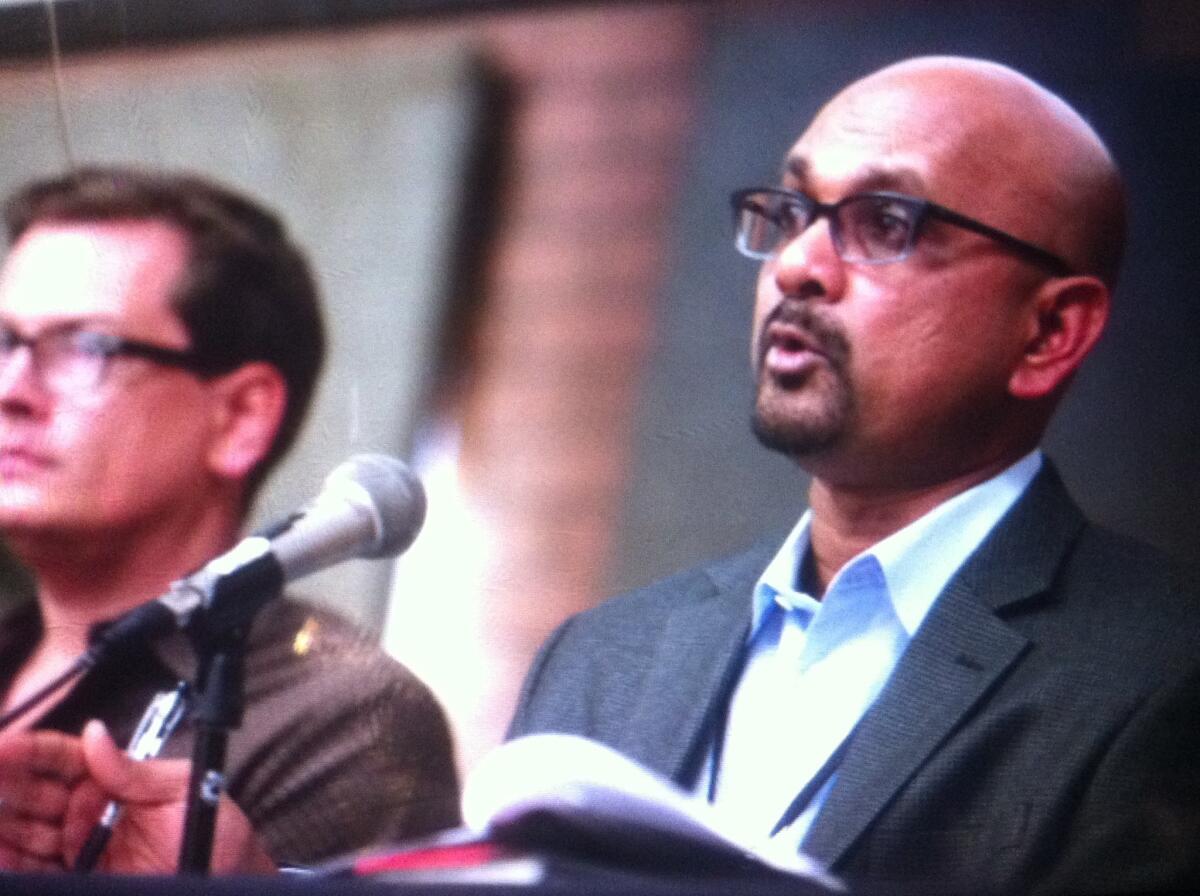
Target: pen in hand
<point x="158" y="721"/>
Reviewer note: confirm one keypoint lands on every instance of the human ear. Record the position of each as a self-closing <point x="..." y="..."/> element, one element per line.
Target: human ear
<point x="248" y="409"/>
<point x="1066" y="317"/>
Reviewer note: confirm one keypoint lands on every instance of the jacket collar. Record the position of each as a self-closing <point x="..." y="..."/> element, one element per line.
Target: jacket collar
<point x="961" y="651"/>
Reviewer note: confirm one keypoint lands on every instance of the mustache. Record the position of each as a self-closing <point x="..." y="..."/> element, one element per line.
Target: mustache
<point x="824" y="334"/>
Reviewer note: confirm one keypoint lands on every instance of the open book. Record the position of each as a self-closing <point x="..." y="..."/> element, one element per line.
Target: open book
<point x="561" y="798"/>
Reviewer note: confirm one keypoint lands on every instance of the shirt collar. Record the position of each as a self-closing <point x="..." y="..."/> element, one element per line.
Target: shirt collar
<point x="781" y="575"/>
<point x="917" y="561"/>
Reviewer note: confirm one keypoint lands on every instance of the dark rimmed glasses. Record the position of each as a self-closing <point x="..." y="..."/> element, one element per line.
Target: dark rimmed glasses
<point x="74" y="360"/>
<point x="866" y="228"/>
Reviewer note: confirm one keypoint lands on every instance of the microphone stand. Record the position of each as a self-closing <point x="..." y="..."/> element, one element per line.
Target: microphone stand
<point x="221" y="686"/>
<point x="219" y="638"/>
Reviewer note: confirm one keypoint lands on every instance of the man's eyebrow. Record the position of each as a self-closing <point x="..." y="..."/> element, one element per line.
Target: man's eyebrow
<point x="897" y="179"/>
<point x="69" y="322"/>
<point x="796" y="167"/>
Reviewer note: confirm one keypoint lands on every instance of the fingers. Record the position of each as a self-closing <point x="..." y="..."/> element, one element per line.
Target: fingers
<point x="129" y="780"/>
<point x="101" y="755"/>
<point x="154" y="801"/>
<point x="36" y="797"/>
<point x="43" y="752"/>
<point x="33" y="837"/>
<point x="18" y="861"/>
<point x="236" y="848"/>
<point x="153" y="797"/>
<point x="84" y="808"/>
<point x="38" y="771"/>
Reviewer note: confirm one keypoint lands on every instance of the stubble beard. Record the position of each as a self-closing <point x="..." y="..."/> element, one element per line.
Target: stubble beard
<point x="801" y="426"/>
<point x="804" y="415"/>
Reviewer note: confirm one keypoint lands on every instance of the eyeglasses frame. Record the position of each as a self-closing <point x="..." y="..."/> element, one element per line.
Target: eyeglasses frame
<point x="109" y="346"/>
<point x="925" y="210"/>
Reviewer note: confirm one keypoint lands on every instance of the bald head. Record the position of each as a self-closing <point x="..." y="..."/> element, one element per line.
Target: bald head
<point x="1023" y="158"/>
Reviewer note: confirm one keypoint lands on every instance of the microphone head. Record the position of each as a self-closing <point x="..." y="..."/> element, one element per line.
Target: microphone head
<point x="389" y="491"/>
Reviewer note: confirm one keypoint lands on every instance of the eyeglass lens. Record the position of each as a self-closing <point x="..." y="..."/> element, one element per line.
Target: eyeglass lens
<point x="864" y="228"/>
<point x="64" y="360"/>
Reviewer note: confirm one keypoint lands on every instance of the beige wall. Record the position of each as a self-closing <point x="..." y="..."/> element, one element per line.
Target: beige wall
<point x="360" y="147"/>
<point x="362" y="140"/>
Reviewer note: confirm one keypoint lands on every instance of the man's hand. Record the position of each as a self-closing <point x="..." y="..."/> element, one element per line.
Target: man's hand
<point x="153" y="795"/>
<point x="39" y="770"/>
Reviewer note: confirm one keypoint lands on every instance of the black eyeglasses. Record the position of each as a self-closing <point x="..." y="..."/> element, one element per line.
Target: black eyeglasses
<point x="867" y="228"/>
<point x="71" y="360"/>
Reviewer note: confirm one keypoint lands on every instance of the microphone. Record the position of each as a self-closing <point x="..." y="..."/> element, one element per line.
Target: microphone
<point x="370" y="506"/>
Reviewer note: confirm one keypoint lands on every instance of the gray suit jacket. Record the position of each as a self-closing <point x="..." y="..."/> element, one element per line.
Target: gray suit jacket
<point x="1040" y="733"/>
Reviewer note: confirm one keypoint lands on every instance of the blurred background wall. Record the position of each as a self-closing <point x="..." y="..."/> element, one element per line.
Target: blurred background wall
<point x="519" y="216"/>
<point x="362" y="150"/>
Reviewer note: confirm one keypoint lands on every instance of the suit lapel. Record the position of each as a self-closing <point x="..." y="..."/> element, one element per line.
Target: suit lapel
<point x="961" y="650"/>
<point x="697" y="659"/>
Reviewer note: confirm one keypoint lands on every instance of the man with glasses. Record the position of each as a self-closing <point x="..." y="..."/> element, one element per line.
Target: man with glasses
<point x="160" y="339"/>
<point x="945" y="679"/>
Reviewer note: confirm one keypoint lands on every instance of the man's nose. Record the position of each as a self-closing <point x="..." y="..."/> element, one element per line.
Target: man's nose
<point x="19" y="381"/>
<point x="808" y="265"/>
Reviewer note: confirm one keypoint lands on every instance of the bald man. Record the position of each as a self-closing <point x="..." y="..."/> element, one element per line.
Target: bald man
<point x="943" y="678"/>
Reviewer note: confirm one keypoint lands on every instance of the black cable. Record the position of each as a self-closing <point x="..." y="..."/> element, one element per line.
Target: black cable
<point x="82" y="664"/>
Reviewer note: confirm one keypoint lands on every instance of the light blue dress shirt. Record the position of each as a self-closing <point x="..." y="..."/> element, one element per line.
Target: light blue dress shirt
<point x="814" y="667"/>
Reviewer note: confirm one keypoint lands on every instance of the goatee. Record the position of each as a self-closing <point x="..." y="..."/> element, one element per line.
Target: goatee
<point x="803" y="415"/>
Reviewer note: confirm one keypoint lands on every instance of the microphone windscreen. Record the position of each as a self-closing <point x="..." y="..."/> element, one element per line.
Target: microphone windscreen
<point x="395" y="496"/>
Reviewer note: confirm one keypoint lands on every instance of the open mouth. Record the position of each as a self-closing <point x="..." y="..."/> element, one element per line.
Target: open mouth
<point x="790" y="351"/>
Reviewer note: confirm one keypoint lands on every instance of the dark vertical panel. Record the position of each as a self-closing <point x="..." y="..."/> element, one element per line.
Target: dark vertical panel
<point x="103" y="24"/>
<point x="1126" y="437"/>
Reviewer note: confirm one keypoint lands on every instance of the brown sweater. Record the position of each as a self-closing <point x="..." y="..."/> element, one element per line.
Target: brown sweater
<point x="340" y="747"/>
